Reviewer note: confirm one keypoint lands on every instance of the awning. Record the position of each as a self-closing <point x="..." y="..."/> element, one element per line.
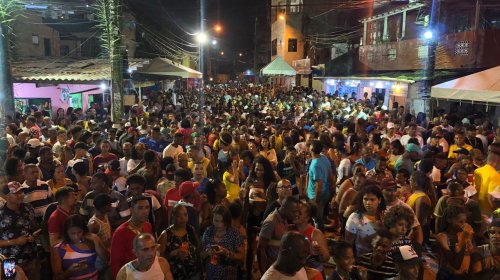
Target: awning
<point x="65" y="70"/>
<point x="166" y="67"/>
<point x="482" y="86"/>
<point x="278" y="67"/>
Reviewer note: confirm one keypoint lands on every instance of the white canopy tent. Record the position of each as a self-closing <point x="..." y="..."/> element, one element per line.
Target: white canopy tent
<point x="481" y="87"/>
<point x="166" y="67"/>
<point x="278" y="67"/>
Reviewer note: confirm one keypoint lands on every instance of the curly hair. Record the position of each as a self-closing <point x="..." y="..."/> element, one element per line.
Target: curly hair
<point x="398" y="213"/>
<point x="451" y="212"/>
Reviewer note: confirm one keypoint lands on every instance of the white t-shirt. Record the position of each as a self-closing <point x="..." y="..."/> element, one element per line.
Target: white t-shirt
<point x="273" y="274"/>
<point x="171" y="151"/>
<point x="364" y="230"/>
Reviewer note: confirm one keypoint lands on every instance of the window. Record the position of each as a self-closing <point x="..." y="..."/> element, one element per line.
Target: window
<point x="274" y="47"/>
<point x="423" y="51"/>
<point x="392" y="54"/>
<point x="34" y="39"/>
<point x="292" y="45"/>
<point x="294" y="6"/>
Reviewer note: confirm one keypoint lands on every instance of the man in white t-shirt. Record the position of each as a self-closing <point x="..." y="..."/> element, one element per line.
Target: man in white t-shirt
<point x="412" y="133"/>
<point x="291" y="260"/>
<point x="174" y="148"/>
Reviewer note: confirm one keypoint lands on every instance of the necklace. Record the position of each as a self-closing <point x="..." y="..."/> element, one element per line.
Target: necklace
<point x="133" y="228"/>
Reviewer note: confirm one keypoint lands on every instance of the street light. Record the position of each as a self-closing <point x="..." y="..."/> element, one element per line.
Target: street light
<point x="214" y="42"/>
<point x="241" y="54"/>
<point x="218" y="28"/>
<point x="221" y="53"/>
<point x="428" y="35"/>
<point x="281" y="16"/>
<point x="201" y="37"/>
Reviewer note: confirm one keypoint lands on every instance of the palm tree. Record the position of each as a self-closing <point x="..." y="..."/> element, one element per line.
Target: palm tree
<point x="8" y="10"/>
<point x="109" y="14"/>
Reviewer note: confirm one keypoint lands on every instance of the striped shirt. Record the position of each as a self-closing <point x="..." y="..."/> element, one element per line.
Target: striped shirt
<point x="386" y="270"/>
<point x="39" y="197"/>
<point x="71" y="254"/>
<point x="119" y="208"/>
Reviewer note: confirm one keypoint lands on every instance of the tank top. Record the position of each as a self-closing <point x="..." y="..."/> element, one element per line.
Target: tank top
<point x="154" y="272"/>
<point x="104" y="229"/>
<point x="413" y="198"/>
<point x="70" y="254"/>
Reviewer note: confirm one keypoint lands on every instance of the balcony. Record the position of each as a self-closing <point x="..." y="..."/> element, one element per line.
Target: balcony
<point x="470" y="49"/>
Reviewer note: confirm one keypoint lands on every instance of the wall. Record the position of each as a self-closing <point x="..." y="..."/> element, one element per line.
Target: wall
<point x="284" y="29"/>
<point x="29" y="90"/>
<point x="27" y="25"/>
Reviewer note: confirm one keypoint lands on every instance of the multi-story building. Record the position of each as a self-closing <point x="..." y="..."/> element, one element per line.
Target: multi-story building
<point x="430" y="40"/>
<point x="64" y="28"/>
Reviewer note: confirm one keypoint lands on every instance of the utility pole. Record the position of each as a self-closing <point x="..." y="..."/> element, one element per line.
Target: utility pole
<point x="6" y="92"/>
<point x="8" y="11"/>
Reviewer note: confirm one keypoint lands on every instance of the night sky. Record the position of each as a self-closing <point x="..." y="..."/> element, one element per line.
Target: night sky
<point x="236" y="17"/>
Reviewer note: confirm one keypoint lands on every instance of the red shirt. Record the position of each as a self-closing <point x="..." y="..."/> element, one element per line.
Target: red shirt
<point x="171" y="198"/>
<point x="56" y="221"/>
<point x="121" y="246"/>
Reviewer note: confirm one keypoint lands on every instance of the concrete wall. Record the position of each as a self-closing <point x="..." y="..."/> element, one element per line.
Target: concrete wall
<point x="30" y="90"/>
<point x="28" y="25"/>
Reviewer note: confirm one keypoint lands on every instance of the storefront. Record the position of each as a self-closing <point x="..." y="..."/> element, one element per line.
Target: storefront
<point x="385" y="90"/>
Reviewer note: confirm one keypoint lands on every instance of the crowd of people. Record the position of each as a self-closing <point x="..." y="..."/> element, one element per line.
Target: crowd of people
<point x="257" y="182"/>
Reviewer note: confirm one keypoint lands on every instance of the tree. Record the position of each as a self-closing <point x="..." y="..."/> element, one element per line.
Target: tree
<point x="109" y="14"/>
<point x="8" y="11"/>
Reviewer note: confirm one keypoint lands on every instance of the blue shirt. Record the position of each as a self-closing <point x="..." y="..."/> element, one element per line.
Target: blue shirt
<point x="368" y="165"/>
<point x="153" y="145"/>
<point x="318" y="170"/>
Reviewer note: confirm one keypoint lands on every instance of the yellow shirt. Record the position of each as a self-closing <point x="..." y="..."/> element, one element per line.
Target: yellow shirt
<point x="278" y="143"/>
<point x="486" y="179"/>
<point x="454" y="147"/>
<point x="206" y="162"/>
<point x="233" y="190"/>
<point x="54" y="186"/>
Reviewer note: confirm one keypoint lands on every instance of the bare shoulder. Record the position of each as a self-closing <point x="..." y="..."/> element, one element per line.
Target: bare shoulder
<point x="163" y="262"/>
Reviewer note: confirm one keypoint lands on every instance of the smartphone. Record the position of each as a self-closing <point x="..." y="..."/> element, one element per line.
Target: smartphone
<point x="9" y="268"/>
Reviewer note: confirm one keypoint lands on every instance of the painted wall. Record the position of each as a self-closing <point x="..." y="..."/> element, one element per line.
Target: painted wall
<point x="30" y="90"/>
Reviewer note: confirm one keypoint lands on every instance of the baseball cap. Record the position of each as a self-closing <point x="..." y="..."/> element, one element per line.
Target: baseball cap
<point x="388" y="183"/>
<point x="101" y="200"/>
<point x="34" y="143"/>
<point x="12" y="187"/>
<point x="470" y="191"/>
<point x="412" y="148"/>
<point x="390" y="125"/>
<point x="406" y="254"/>
<point x="187" y="188"/>
<point x="257" y="195"/>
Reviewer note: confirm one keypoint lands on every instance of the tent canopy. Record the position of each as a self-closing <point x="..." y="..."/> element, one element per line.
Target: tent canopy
<point x="482" y="86"/>
<point x="278" y="67"/>
<point x="166" y="67"/>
